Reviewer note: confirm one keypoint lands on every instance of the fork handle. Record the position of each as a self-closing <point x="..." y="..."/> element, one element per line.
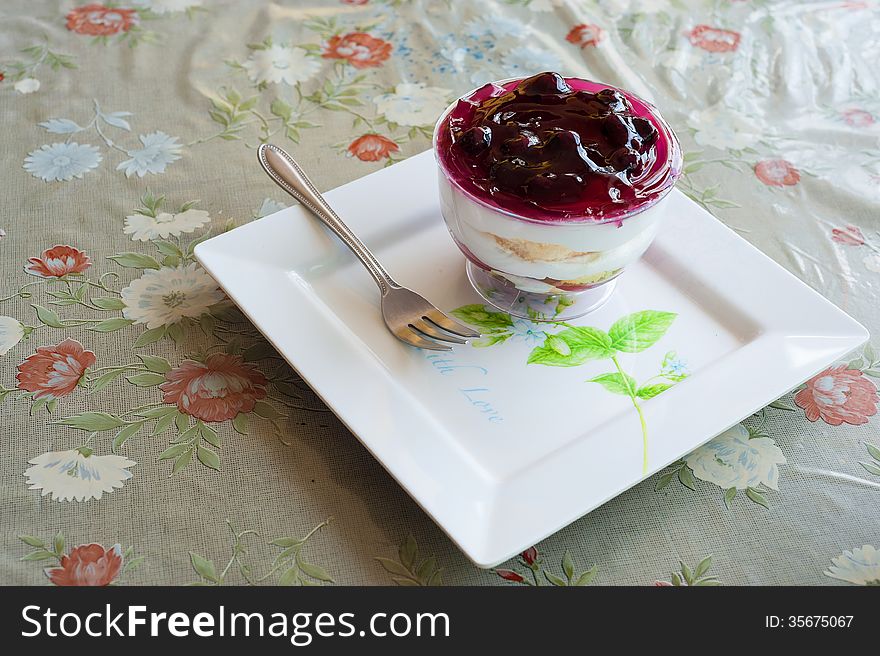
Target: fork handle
<point x="288" y="175"/>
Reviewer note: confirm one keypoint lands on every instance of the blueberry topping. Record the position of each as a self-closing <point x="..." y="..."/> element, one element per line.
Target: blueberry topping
<point x="476" y="140"/>
<point x="624" y="159"/>
<point x="645" y="129"/>
<point x="613" y="99"/>
<point x="544" y="84"/>
<point x="544" y="143"/>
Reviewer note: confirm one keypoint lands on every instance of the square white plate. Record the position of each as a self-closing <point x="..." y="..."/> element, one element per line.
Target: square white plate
<point x="501" y="453"/>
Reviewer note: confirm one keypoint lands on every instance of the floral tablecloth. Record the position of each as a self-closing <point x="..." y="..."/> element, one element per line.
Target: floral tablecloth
<point x="151" y="436"/>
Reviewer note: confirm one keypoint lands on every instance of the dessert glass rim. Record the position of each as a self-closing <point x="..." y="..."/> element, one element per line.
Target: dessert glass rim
<point x="674" y="150"/>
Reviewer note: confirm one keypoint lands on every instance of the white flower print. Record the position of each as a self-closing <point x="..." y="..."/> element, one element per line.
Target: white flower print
<point x="734" y="460"/>
<point x="11" y="333"/>
<point x="77" y="475"/>
<point x="859" y="566"/>
<point x="545" y="5"/>
<point x="281" y="64"/>
<point x="722" y="127"/>
<point x="620" y="7"/>
<point x="2" y="233"/>
<point x="27" y="85"/>
<point x="530" y="60"/>
<point x="62" y="161"/>
<point x="166" y="6"/>
<point x="872" y="262"/>
<point x="413" y="104"/>
<point x="142" y="227"/>
<point x="483" y="75"/>
<point x="681" y="61"/>
<point x="161" y="297"/>
<point x="494" y="25"/>
<point x="268" y="207"/>
<point x="158" y="152"/>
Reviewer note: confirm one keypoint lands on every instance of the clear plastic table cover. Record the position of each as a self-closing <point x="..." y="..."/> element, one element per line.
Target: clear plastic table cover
<point x="150" y="432"/>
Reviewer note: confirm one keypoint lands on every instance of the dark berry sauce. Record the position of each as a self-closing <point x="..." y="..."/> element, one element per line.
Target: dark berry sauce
<point x="548" y="148"/>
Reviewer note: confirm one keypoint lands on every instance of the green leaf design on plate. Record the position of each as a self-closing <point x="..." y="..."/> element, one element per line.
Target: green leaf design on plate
<point x="491" y="340"/>
<point x="640" y="330"/>
<point x="583" y="343"/>
<point x="558" y="344"/>
<point x="650" y="391"/>
<point x="616" y="383"/>
<point x="93" y="421"/>
<point x="481" y="316"/>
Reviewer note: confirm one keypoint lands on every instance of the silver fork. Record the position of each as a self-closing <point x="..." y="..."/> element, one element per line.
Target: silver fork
<point x="409" y="316"/>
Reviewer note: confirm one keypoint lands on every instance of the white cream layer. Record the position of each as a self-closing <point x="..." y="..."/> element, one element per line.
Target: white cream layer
<point x="595" y="248"/>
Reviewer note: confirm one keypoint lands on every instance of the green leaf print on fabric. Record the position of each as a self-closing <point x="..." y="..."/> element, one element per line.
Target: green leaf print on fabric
<point x="685" y="576"/>
<point x="532" y="561"/>
<point x="22" y="71"/>
<point x="410" y="569"/>
<point x="289" y="567"/>
<point x="873" y="465"/>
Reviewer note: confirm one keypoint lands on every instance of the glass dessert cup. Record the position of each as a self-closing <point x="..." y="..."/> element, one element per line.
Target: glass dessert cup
<point x="533" y="264"/>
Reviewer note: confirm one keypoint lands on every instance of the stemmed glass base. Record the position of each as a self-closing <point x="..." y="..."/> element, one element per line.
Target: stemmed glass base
<point x="502" y="294"/>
